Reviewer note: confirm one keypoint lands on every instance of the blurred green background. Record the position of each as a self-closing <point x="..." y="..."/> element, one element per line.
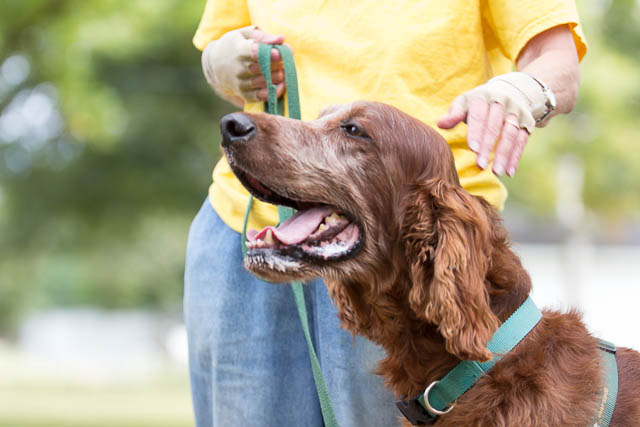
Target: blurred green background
<point x="108" y="135"/>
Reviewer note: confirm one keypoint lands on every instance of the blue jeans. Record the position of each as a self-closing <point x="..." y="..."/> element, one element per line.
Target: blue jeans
<point x="248" y="360"/>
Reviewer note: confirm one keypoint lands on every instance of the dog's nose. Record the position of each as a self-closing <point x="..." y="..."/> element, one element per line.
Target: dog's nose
<point x="236" y="127"/>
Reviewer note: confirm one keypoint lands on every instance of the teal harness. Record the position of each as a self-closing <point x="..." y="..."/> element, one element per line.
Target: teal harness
<point x="439" y="398"/>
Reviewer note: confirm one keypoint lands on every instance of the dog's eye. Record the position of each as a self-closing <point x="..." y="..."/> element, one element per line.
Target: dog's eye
<point x="354" y="130"/>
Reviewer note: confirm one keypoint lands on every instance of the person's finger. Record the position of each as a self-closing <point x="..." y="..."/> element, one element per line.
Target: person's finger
<point x="245" y="86"/>
<point x="277" y="77"/>
<point x="514" y="161"/>
<point x="275" y="54"/>
<point x="263" y="94"/>
<point x="263" y="37"/>
<point x="254" y="68"/>
<point x="493" y="126"/>
<point x="457" y="113"/>
<point x="506" y="145"/>
<point x="476" y="123"/>
<point x="259" y="82"/>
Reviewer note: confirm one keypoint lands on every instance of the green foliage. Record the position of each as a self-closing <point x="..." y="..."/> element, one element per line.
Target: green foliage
<point x="97" y="211"/>
<point x="602" y="131"/>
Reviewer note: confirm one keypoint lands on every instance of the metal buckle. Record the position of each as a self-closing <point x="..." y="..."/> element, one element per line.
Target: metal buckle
<point x="430" y="408"/>
<point x="419" y="414"/>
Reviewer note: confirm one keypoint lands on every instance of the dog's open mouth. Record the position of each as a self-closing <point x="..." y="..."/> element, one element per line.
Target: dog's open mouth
<point x="316" y="232"/>
<point x="319" y="232"/>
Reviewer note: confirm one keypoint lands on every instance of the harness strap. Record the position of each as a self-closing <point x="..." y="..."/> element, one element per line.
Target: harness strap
<point x="610" y="391"/>
<point x="275" y="106"/>
<point x="467" y="372"/>
<point x="439" y="398"/>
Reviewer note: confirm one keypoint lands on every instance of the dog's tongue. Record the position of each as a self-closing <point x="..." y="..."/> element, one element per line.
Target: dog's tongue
<point x="297" y="228"/>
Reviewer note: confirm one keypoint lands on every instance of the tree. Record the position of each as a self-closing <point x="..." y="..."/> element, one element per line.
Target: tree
<point x="108" y="136"/>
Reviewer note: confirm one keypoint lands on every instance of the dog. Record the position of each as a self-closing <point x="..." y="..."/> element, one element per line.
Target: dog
<point x="416" y="264"/>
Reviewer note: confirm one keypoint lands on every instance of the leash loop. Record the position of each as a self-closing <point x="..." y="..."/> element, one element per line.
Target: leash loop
<point x="276" y="106"/>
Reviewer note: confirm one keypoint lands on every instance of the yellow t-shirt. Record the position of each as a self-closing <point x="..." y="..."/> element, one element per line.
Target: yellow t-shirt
<point x="415" y="55"/>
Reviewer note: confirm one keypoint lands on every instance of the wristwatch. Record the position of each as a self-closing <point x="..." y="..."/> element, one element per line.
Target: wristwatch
<point x="542" y="112"/>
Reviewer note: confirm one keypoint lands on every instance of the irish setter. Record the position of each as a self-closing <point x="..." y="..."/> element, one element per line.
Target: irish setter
<point x="415" y="263"/>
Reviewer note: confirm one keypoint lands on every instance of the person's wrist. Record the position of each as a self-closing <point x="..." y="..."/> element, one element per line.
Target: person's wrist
<point x="539" y="97"/>
<point x="550" y="102"/>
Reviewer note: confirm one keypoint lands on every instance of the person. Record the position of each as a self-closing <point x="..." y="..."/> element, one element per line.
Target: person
<point x="451" y="59"/>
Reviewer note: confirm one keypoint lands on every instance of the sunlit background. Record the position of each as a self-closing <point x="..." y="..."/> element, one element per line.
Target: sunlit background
<point x="108" y="134"/>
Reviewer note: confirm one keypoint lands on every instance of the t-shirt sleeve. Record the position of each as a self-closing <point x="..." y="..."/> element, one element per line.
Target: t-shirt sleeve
<point x="515" y="22"/>
<point x="220" y="17"/>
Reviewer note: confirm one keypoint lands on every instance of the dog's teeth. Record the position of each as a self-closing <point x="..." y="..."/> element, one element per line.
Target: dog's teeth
<point x="322" y="227"/>
<point x="268" y="238"/>
<point x="332" y="219"/>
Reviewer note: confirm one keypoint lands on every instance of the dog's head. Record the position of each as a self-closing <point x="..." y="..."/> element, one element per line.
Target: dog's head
<point x="378" y="200"/>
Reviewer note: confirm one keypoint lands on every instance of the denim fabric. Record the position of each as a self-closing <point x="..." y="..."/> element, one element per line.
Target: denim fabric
<point x="248" y="359"/>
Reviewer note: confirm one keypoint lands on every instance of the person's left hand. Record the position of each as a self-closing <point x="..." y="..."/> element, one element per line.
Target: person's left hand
<point x="495" y="109"/>
<point x="508" y="105"/>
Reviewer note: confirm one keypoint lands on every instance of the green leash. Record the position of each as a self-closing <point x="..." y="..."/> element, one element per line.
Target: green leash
<point x="275" y="106"/>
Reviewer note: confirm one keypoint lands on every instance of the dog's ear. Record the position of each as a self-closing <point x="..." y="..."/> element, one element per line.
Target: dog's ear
<point x="447" y="237"/>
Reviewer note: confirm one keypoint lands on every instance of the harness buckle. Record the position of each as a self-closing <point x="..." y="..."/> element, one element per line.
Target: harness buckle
<point x="420" y="414"/>
<point x="415" y="412"/>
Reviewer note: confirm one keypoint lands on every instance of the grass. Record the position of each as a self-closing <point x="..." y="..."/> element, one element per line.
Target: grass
<point x="32" y="397"/>
<point x="139" y="405"/>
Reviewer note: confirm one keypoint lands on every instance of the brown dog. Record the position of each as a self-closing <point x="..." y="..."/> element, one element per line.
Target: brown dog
<point x="415" y="263"/>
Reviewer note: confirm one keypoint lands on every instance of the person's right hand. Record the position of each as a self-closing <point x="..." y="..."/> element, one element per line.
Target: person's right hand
<point x="231" y="68"/>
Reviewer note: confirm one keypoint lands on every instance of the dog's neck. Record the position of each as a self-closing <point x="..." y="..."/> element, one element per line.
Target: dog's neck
<point x="415" y="350"/>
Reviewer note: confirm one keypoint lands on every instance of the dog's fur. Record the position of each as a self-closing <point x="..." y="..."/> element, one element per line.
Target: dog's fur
<point x="435" y="276"/>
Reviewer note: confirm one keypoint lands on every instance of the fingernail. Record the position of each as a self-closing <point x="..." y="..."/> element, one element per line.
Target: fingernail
<point x="512" y="171"/>
<point x="474" y="145"/>
<point x="483" y="162"/>
<point x="498" y="169"/>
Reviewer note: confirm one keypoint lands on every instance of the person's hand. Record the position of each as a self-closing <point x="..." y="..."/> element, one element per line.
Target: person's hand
<point x="503" y="107"/>
<point x="231" y="68"/>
